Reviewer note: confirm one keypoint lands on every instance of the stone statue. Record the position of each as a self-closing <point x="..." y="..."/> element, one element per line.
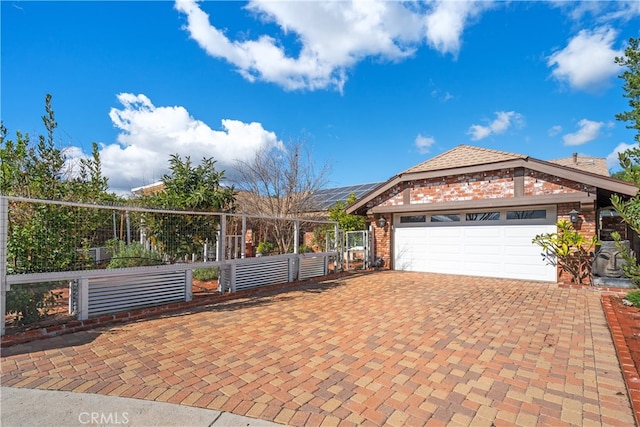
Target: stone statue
<point x="608" y="261"/>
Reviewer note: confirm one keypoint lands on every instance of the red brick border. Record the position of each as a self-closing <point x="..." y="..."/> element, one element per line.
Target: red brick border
<point x="629" y="371"/>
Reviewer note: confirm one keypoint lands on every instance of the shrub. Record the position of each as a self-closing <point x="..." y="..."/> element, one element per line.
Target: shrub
<point x="631" y="266"/>
<point x="205" y="274"/>
<point x="30" y="303"/>
<point x="265" y="248"/>
<point x="132" y="255"/>
<point x="568" y="249"/>
<point x="304" y="249"/>
<point x="634" y="298"/>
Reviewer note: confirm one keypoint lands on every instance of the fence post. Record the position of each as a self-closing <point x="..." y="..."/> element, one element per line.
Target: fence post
<point x="4" y="228"/>
<point x="222" y="239"/>
<point x="83" y="296"/>
<point x="326" y="265"/>
<point x="232" y="278"/>
<point x="188" y="291"/>
<point x="243" y="244"/>
<point x="338" y="250"/>
<point x="128" y="220"/>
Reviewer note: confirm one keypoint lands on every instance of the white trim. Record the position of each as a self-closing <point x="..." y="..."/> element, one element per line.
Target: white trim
<point x="551" y="217"/>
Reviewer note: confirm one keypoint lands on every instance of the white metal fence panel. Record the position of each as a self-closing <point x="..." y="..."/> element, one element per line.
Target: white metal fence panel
<point x="261" y="273"/>
<point x="97" y="289"/>
<point x="313" y="266"/>
<point x="122" y="293"/>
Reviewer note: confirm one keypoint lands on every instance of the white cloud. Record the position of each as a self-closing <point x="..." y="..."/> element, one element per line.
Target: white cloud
<point x="446" y="22"/>
<point x="586" y="62"/>
<point x="333" y="35"/>
<point x="612" y="158"/>
<point x="424" y="143"/>
<point x="555" y="130"/>
<point x="73" y="155"/>
<point x="601" y="11"/>
<point x="503" y="121"/>
<point x="589" y="130"/>
<point x="149" y="135"/>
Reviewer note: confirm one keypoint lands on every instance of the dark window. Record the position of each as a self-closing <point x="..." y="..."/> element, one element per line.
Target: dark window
<point x="445" y="218"/>
<point x="530" y="214"/>
<point x="483" y="216"/>
<point x="413" y="218"/>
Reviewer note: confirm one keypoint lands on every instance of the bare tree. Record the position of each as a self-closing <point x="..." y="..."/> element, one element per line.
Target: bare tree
<point x="280" y="183"/>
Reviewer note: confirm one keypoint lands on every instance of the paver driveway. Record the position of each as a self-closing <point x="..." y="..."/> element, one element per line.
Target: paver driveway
<point x="383" y="348"/>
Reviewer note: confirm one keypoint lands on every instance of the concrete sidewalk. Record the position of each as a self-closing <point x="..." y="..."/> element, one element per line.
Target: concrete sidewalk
<point x="27" y="407"/>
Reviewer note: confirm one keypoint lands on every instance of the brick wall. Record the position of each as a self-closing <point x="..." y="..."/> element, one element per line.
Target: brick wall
<point x="586" y="225"/>
<point x="485" y="185"/>
<point x="540" y="184"/>
<point x="479" y="186"/>
<point x="382" y="241"/>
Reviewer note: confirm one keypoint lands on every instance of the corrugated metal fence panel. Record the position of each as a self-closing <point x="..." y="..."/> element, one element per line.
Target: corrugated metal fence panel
<point x="253" y="275"/>
<point x="122" y="293"/>
<point x="312" y="266"/>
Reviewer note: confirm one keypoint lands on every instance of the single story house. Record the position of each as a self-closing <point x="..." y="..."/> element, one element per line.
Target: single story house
<point x="474" y="211"/>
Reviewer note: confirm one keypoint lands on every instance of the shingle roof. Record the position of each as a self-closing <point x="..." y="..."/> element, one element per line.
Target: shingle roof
<point x="464" y="155"/>
<point x="588" y="164"/>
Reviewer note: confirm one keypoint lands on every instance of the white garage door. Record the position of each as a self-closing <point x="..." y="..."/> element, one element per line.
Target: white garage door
<point x="491" y="248"/>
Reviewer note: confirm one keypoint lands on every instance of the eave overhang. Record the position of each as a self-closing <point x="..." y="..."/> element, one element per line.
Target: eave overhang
<point x="586" y="201"/>
<point x="576" y="175"/>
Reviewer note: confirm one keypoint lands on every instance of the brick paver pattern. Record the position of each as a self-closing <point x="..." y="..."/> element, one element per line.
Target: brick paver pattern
<point x="383" y="348"/>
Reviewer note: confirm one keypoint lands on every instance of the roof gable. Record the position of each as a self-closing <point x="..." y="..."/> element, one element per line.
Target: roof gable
<point x="467" y="159"/>
<point x="597" y="165"/>
<point x="464" y="155"/>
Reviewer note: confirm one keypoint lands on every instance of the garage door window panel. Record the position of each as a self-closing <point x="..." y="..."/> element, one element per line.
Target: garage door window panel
<point x="413" y="219"/>
<point x="527" y="214"/>
<point x="483" y="216"/>
<point x="445" y="218"/>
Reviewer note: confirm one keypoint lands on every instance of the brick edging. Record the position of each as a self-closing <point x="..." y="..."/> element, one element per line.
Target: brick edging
<point x="629" y="370"/>
<point x="149" y="312"/>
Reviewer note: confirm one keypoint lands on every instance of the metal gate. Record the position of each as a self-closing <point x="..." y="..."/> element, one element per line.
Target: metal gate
<point x="335" y="242"/>
<point x="357" y="249"/>
<point x="354" y="248"/>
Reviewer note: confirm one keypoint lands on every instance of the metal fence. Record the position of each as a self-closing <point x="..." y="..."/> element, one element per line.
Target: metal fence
<point x="118" y="258"/>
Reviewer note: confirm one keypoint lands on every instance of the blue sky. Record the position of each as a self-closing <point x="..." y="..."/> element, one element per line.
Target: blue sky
<point x="371" y="87"/>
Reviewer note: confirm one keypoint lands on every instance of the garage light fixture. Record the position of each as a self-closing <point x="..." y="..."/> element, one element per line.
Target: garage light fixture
<point x="381" y="222"/>
<point x="573" y="216"/>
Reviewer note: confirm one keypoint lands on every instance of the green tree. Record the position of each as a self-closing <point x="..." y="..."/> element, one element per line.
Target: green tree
<point x="36" y="171"/>
<point x="193" y="188"/>
<point x="46" y="237"/>
<point x="629" y="210"/>
<point x="630" y="159"/>
<point x="347" y="222"/>
<point x="631" y="86"/>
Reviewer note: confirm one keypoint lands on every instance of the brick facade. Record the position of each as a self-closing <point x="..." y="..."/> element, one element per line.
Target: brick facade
<point x="498" y="184"/>
<point x="486" y="185"/>
<point x="539" y="184"/>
